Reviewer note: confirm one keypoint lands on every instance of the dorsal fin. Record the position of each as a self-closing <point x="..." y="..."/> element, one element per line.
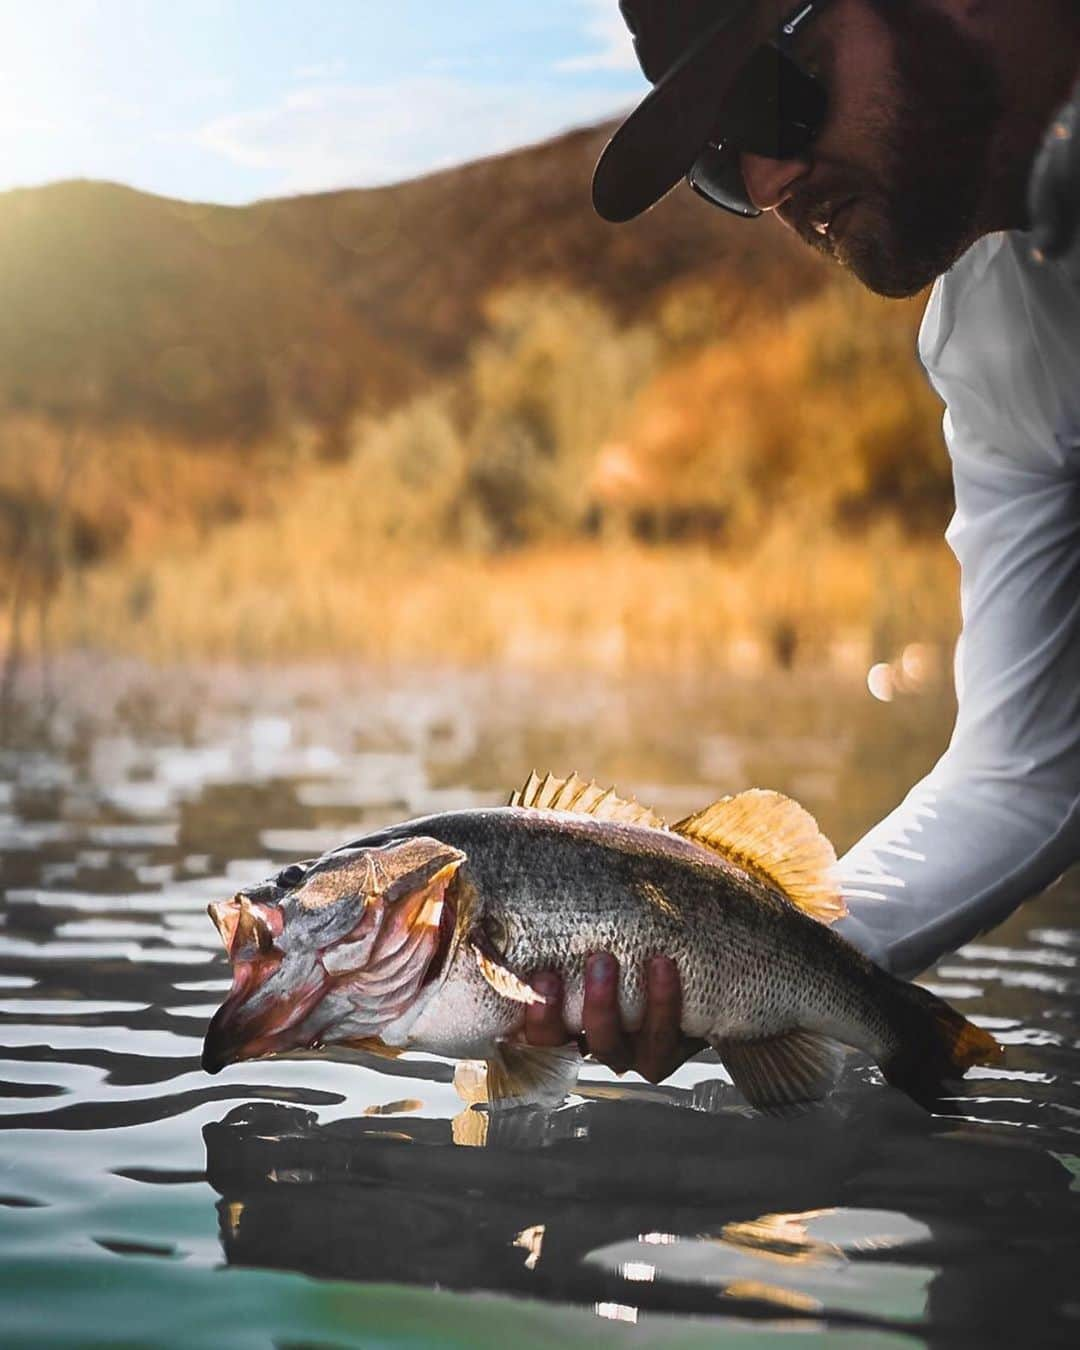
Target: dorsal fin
<point x="776" y="840"/>
<point x="585" y="798"/>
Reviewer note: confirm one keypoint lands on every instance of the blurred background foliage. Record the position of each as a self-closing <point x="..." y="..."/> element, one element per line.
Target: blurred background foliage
<point x="460" y="419"/>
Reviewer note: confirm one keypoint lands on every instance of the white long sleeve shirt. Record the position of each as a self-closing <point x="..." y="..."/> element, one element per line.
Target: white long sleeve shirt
<point x="998" y="818"/>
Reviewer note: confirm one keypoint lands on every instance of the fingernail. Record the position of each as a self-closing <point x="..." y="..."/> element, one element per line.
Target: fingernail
<point x="602" y="968"/>
<point x="662" y="971"/>
<point x="546" y="984"/>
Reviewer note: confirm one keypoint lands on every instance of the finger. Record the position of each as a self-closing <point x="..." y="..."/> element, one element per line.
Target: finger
<point x="660" y="1046"/>
<point x="544" y="1021"/>
<point x="657" y="1045"/>
<point x="600" y="1020"/>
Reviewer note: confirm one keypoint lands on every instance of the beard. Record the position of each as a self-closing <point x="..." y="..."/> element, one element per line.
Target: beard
<point x="917" y="210"/>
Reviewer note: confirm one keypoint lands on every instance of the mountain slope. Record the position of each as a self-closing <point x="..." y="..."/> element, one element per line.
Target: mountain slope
<point x="416" y="260"/>
<point x="211" y="322"/>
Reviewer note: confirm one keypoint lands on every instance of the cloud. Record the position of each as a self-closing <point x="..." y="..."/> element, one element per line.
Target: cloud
<point x="607" y="28"/>
<point x="364" y="135"/>
<point x="325" y="70"/>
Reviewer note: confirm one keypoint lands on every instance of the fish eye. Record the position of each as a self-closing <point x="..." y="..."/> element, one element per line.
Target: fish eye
<point x="290" y="877"/>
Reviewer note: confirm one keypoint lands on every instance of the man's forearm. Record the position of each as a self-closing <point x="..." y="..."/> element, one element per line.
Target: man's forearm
<point x="956" y="858"/>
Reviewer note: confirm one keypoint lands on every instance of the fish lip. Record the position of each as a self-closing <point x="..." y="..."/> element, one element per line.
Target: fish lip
<point x="246" y="927"/>
<point x="214" y="1057"/>
<point x="231" y="1037"/>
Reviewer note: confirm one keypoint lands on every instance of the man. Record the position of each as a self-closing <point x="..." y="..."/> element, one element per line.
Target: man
<point x="897" y="137"/>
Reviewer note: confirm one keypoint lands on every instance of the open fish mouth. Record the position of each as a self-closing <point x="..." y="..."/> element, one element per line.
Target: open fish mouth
<point x="234" y="1034"/>
<point x="299" y="965"/>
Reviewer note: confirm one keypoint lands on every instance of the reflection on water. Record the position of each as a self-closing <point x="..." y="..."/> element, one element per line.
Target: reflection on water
<point x="898" y="1220"/>
<point x="123" y="1167"/>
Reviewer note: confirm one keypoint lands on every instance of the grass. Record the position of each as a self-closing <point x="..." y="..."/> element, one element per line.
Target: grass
<point x="253" y="593"/>
<point x="478" y="523"/>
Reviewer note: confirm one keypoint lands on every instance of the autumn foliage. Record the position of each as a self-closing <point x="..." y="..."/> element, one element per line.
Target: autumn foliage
<point x="395" y="424"/>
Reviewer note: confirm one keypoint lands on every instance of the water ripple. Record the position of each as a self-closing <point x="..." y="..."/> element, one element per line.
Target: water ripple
<point x="121" y="1163"/>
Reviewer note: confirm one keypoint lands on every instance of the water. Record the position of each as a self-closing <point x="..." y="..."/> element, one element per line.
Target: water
<point x="311" y="1203"/>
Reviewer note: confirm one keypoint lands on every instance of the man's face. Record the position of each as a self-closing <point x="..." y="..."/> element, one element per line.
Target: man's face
<point x="892" y="186"/>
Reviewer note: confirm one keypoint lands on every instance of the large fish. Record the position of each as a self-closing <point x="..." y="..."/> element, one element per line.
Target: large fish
<point x="424" y="935"/>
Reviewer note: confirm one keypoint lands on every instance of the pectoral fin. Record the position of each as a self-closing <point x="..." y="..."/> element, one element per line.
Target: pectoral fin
<point x="521" y="1075"/>
<point x="781" y="1073"/>
<point x="504" y="981"/>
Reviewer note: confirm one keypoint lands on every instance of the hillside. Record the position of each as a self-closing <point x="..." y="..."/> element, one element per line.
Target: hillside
<point x="415" y="261"/>
<point x="242" y="431"/>
<point x="217" y="322"/>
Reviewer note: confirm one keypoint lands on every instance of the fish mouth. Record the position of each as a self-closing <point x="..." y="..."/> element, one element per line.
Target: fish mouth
<point x="236" y="1034"/>
<point x="277" y="997"/>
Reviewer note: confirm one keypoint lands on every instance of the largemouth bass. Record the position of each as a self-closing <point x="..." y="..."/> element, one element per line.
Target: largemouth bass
<point x="424" y="935"/>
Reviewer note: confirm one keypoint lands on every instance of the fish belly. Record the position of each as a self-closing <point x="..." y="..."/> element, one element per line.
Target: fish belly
<point x="463" y="1019"/>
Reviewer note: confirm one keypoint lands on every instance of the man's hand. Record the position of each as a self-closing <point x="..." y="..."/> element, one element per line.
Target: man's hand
<point x="1054" y="191"/>
<point x="655" y="1051"/>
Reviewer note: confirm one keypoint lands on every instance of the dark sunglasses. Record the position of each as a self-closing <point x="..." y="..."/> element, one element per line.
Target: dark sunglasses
<point x="775" y="109"/>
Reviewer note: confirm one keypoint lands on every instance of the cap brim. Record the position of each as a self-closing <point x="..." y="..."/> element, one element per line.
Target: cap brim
<point x="656" y="146"/>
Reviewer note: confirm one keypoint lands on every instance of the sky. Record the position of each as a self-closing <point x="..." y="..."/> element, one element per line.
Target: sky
<point x="236" y="100"/>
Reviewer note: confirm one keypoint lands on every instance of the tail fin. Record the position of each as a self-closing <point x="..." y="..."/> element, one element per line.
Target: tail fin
<point x="936" y="1044"/>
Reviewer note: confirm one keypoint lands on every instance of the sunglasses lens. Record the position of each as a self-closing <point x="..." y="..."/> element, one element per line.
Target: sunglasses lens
<point x="775" y="108"/>
<point x="717" y="177"/>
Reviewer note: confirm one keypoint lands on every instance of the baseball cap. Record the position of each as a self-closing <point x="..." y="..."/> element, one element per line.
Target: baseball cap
<point x="700" y="56"/>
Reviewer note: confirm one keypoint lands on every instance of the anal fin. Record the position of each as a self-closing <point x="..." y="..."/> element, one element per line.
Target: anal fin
<point x="782" y="1073"/>
<point x="523" y="1075"/>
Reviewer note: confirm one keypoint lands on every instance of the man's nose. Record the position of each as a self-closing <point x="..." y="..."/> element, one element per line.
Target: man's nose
<point x="769" y="182"/>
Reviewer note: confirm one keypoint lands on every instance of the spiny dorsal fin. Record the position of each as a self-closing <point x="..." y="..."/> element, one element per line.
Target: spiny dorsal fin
<point x="777" y="840"/>
<point x="585" y="798"/>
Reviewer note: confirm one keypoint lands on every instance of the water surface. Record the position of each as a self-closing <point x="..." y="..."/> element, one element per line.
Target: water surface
<point x="305" y="1202"/>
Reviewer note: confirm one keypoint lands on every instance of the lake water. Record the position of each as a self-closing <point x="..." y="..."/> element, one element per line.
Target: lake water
<point x="312" y="1203"/>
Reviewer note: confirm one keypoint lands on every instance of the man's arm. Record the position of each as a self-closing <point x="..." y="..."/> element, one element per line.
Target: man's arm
<point x="998" y="819"/>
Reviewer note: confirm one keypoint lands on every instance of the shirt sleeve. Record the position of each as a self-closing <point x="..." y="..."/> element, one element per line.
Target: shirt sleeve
<point x="998" y="818"/>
